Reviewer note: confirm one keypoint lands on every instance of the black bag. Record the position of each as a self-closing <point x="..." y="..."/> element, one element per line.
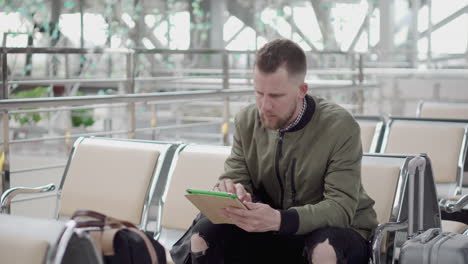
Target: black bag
<point x="120" y="242"/>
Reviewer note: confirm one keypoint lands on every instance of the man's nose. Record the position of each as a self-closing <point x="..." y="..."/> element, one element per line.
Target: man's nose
<point x="266" y="104"/>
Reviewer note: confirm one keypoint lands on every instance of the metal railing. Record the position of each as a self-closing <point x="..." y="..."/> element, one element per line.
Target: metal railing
<point x="222" y="89"/>
<point x="225" y="83"/>
<point x="128" y="99"/>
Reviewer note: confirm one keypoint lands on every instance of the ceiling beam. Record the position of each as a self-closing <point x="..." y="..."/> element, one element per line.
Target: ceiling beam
<point x="445" y="21"/>
<point x="364" y="25"/>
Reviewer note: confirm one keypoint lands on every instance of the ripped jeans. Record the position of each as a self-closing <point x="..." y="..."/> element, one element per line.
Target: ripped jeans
<point x="230" y="244"/>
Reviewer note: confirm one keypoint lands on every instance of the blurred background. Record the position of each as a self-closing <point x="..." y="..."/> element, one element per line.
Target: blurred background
<point x="180" y="70"/>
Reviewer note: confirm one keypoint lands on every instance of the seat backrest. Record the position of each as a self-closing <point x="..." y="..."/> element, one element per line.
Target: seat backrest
<point x="442" y="110"/>
<point x="380" y="176"/>
<point x="444" y="142"/>
<point x="26" y="240"/>
<point x="372" y="129"/>
<point x="111" y="176"/>
<point x="196" y="167"/>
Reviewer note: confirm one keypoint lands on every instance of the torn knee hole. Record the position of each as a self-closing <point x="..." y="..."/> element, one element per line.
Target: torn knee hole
<point x="324" y="253"/>
<point x="197" y="243"/>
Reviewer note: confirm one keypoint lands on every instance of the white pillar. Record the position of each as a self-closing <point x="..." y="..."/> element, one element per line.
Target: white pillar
<point x="387" y="27"/>
<point x="218" y="10"/>
<point x="414" y="33"/>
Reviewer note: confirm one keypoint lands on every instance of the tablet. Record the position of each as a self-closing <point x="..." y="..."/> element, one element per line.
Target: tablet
<point x="210" y="203"/>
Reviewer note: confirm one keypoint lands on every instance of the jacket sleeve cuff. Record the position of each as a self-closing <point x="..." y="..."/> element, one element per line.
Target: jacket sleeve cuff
<point x="289" y="222"/>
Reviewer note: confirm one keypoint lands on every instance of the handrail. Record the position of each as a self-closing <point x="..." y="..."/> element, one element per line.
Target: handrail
<point x="162" y="97"/>
<point x="7" y="196"/>
<point x="55" y="50"/>
<point x="338" y="71"/>
<point x="416" y="72"/>
<point x="65" y="108"/>
<point x="113" y="132"/>
<point x="11" y="104"/>
<point x="56" y="166"/>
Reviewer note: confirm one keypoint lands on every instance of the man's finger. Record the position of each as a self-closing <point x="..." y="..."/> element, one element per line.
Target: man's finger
<point x="248" y="198"/>
<point x="226" y="186"/>
<point x="237" y="215"/>
<point x="221" y="186"/>
<point x="250" y="205"/>
<point x="240" y="191"/>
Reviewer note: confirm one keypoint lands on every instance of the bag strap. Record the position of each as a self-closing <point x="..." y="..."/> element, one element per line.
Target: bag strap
<point x="107" y="240"/>
<point x="90" y="214"/>
<point x="111" y="221"/>
<point x="98" y="220"/>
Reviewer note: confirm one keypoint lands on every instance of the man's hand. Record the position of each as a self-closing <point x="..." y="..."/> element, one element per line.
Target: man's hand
<point x="259" y="218"/>
<point x="236" y="188"/>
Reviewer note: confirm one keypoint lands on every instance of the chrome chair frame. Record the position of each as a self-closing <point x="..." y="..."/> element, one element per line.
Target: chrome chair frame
<point x="155" y="189"/>
<point x="380" y="129"/>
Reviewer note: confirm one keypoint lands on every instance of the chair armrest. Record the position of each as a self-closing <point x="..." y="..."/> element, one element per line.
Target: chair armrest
<point x="9" y="194"/>
<point x="379" y="233"/>
<point x="449" y="207"/>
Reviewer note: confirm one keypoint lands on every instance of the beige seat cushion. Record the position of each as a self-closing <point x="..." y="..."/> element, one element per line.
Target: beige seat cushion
<point x="111" y="177"/>
<point x="440" y="140"/>
<point x="380" y="182"/>
<point x="379" y="177"/>
<point x="453" y="226"/>
<point x="197" y="167"/>
<point x="367" y="134"/>
<point x="27" y="240"/>
<point x="444" y="110"/>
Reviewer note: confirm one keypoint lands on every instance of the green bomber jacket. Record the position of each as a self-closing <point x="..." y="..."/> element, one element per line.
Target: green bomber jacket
<point x="312" y="174"/>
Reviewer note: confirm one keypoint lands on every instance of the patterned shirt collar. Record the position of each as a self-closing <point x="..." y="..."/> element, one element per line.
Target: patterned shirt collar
<point x="296" y="121"/>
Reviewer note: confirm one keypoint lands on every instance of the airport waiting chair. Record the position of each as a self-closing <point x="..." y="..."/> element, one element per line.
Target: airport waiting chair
<point x="445" y="143"/>
<point x="196" y="167"/>
<point x="372" y="131"/>
<point x="116" y="177"/>
<point x="385" y="179"/>
<point x="438" y="110"/>
<point x="427" y="109"/>
<point x="26" y="240"/>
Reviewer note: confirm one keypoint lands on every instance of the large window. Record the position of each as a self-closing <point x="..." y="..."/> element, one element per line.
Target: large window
<point x="330" y="25"/>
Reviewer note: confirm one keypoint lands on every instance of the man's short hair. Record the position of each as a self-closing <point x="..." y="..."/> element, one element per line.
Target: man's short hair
<point x="281" y="52"/>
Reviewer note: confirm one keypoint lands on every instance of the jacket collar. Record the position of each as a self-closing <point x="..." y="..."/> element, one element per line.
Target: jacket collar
<point x="306" y="116"/>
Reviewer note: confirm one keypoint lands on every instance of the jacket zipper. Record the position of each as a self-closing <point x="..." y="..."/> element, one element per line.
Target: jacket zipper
<point x="293" y="184"/>
<point x="279" y="150"/>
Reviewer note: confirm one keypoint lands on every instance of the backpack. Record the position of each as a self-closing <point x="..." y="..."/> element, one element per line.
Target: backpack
<point x="119" y="242"/>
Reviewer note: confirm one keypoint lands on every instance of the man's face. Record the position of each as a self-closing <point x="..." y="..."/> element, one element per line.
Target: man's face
<point x="278" y="97"/>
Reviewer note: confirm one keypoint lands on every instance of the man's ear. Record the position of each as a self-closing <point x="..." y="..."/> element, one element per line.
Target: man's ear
<point x="303" y="90"/>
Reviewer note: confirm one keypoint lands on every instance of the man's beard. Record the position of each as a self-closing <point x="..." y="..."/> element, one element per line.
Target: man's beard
<point x="278" y="123"/>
